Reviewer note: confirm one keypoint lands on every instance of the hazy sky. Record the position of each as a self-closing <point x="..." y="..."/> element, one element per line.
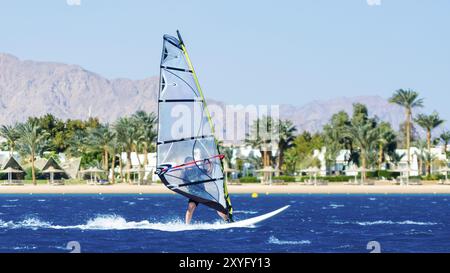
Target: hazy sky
<point x="264" y="52"/>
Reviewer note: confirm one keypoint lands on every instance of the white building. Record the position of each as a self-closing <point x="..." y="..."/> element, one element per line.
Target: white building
<point x="344" y="167"/>
<point x="149" y="169"/>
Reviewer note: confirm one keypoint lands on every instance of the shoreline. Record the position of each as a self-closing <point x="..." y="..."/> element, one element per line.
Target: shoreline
<point x="335" y="188"/>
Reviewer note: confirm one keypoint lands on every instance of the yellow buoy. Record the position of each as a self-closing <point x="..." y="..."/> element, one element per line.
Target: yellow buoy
<point x="254" y="195"/>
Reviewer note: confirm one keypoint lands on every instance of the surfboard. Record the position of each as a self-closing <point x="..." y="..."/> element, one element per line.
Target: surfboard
<point x="254" y="220"/>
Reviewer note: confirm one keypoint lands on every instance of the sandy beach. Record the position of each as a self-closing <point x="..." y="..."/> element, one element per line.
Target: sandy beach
<point x="335" y="188"/>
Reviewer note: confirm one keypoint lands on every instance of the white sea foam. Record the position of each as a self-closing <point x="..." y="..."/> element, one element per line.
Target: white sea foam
<point x="24" y="248"/>
<point x="115" y="222"/>
<point x="30" y="223"/>
<point x="12" y="200"/>
<point x="276" y="241"/>
<point x="335" y="206"/>
<point x="381" y="222"/>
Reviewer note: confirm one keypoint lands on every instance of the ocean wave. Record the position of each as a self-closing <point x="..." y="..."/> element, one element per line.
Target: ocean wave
<point x="9" y="206"/>
<point x="24" y="248"/>
<point x="29" y="223"/>
<point x="276" y="241"/>
<point x="41" y="200"/>
<point x="12" y="200"/>
<point x="335" y="206"/>
<point x="343" y="247"/>
<point x="389" y="222"/>
<point x="115" y="222"/>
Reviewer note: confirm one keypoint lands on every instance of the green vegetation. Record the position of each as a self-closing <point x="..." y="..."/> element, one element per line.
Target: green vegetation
<point x="285" y="178"/>
<point x="409" y="100"/>
<point x="371" y="143"/>
<point x="97" y="144"/>
<point x="429" y="123"/>
<point x="248" y="179"/>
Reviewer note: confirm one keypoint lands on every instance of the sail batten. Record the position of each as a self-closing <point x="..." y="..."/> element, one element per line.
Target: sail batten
<point x="188" y="159"/>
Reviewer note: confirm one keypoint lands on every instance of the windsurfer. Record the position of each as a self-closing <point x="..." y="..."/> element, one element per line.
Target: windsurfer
<point x="192" y="173"/>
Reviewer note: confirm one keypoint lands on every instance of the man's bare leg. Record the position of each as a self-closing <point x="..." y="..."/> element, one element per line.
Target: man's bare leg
<point x="223" y="215"/>
<point x="189" y="212"/>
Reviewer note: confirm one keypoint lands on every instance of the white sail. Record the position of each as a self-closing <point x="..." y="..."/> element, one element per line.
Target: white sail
<point x="188" y="159"/>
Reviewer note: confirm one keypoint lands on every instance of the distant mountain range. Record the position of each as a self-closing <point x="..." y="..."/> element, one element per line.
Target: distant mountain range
<point x="29" y="88"/>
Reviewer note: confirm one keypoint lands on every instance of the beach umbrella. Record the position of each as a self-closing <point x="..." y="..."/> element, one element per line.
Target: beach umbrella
<point x="93" y="171"/>
<point x="51" y="170"/>
<point x="267" y="170"/>
<point x="10" y="171"/>
<point x="406" y="170"/>
<point x="446" y="169"/>
<point x="311" y="171"/>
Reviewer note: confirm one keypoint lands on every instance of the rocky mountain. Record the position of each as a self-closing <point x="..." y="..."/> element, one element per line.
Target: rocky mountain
<point x="29" y="88"/>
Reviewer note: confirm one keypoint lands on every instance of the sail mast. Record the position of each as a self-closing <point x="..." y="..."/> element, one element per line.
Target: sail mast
<point x="197" y="83"/>
<point x="211" y="124"/>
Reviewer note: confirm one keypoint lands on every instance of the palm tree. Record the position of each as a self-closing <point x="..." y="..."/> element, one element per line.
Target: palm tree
<point x="365" y="137"/>
<point x="31" y="140"/>
<point x="9" y="133"/>
<point x="334" y="138"/>
<point x="428" y="123"/>
<point x="261" y="137"/>
<point x="112" y="148"/>
<point x="445" y="137"/>
<point x="126" y="134"/>
<point x="291" y="160"/>
<point x="396" y="158"/>
<point x="420" y="154"/>
<point x="146" y="134"/>
<point x="286" y="139"/>
<point x="409" y="100"/>
<point x="99" y="138"/>
<point x="386" y="136"/>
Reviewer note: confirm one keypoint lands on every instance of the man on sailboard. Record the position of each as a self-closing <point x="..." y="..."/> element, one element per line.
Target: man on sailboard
<point x="200" y="176"/>
<point x="193" y="173"/>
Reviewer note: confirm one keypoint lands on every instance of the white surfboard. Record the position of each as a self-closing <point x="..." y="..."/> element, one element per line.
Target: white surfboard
<point x="252" y="221"/>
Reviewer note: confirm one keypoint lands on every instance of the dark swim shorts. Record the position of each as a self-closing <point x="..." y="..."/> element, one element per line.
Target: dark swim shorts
<point x="193" y="201"/>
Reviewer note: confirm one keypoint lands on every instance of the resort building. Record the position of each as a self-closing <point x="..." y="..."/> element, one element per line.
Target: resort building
<point x="13" y="172"/>
<point x="344" y="167"/>
<point x="149" y="168"/>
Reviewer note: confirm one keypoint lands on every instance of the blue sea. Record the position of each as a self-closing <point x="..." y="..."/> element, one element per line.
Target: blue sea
<point x="154" y="223"/>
